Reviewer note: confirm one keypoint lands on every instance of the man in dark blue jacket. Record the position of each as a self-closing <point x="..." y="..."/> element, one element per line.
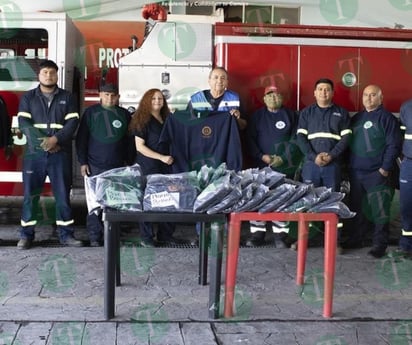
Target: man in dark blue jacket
<point x="405" y="181"/>
<point x="323" y="137"/>
<point x="272" y="142"/>
<point x="48" y="117"/>
<point x="374" y="147"/>
<point x="102" y="143"/>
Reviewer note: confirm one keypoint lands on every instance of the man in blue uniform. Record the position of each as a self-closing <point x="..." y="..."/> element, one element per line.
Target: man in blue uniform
<point x="405" y="181"/>
<point x="375" y="145"/>
<point x="323" y="137"/>
<point x="271" y="141"/>
<point x="48" y="117"/>
<point x="218" y="97"/>
<point x="102" y="143"/>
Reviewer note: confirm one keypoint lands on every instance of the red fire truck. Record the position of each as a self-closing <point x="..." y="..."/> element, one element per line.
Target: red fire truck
<point x="177" y="58"/>
<point x="25" y="41"/>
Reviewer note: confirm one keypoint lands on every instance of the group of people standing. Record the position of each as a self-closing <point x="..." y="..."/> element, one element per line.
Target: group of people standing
<point x="319" y="143"/>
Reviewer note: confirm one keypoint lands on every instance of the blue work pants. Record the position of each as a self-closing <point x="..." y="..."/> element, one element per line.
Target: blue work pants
<point x="405" y="194"/>
<point x="35" y="170"/>
<point x="371" y="198"/>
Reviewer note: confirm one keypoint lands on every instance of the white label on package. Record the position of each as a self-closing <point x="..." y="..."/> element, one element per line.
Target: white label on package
<point x="115" y="197"/>
<point x="164" y="199"/>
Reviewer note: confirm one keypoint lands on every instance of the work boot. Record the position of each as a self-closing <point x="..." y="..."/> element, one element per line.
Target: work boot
<point x="256" y="239"/>
<point x="279" y="241"/>
<point x="72" y="242"/>
<point x="24" y="243"/>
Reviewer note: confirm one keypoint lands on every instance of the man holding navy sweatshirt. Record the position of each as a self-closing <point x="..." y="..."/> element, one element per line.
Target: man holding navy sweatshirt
<point x="374" y="147"/>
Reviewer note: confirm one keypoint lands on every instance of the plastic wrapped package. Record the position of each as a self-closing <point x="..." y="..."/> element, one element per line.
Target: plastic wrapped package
<point x="272" y="177"/>
<point x="227" y="202"/>
<point x="120" y="188"/>
<point x="334" y="197"/>
<point x="258" y="193"/>
<point x="171" y="193"/>
<point x="213" y="193"/>
<point x="304" y="203"/>
<point x="338" y="207"/>
<point x="276" y="197"/>
<point x="300" y="191"/>
<point x="90" y="191"/>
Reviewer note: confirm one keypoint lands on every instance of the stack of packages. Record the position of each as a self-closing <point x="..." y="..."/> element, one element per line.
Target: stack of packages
<point x="211" y="190"/>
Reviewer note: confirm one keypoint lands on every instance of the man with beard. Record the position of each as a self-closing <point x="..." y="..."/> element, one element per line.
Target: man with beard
<point x="48" y="117"/>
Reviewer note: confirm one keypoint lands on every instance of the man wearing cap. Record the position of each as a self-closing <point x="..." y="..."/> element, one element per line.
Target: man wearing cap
<point x="48" y="117"/>
<point x="102" y="143"/>
<point x="271" y="141"/>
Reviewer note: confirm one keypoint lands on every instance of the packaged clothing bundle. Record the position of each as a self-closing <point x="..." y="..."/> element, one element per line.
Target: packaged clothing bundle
<point x="119" y="188"/>
<point x="171" y="193"/>
<point x="216" y="191"/>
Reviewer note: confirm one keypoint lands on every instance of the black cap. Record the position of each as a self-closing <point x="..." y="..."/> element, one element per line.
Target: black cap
<point x="109" y="88"/>
<point x="48" y="64"/>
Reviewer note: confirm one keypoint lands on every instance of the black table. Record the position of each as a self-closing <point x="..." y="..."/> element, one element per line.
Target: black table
<point x="112" y="219"/>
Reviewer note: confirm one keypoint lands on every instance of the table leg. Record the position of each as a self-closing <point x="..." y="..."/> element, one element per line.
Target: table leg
<point x="233" y="242"/>
<point x="116" y="230"/>
<point x="331" y="237"/>
<point x="216" y="234"/>
<point x="203" y="255"/>
<point x="109" y="271"/>
<point x="303" y="234"/>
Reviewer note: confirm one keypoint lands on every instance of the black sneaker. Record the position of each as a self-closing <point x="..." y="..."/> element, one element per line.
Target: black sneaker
<point x="377" y="252"/>
<point x="72" y="242"/>
<point x="278" y="241"/>
<point x="147" y="243"/>
<point x="24" y="243"/>
<point x="257" y="239"/>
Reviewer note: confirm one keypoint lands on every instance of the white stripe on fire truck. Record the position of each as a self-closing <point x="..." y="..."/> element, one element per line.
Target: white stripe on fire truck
<point x="14" y="176"/>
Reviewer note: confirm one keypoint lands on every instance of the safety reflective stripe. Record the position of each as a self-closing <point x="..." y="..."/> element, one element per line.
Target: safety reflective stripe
<point x="30" y="223"/>
<point x="45" y="126"/>
<point x="257" y="226"/>
<point x="408" y="136"/>
<point x="278" y="227"/>
<point x="56" y="125"/>
<point x="24" y="114"/>
<point x="64" y="223"/>
<point x="71" y="116"/>
<point x="324" y="135"/>
<point x="403" y="128"/>
<point x="406" y="233"/>
<point x="197" y="105"/>
<point x="345" y="132"/>
<point x="233" y="103"/>
<point x="302" y="131"/>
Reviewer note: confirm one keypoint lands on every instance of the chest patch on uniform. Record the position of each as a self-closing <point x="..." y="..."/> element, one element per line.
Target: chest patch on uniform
<point x="116" y="124"/>
<point x="367" y="124"/>
<point x="206" y="131"/>
<point x="280" y="125"/>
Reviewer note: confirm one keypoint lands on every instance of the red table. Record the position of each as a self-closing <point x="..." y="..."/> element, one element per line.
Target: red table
<point x="303" y="219"/>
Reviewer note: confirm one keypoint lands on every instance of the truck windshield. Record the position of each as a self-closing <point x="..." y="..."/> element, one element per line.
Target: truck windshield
<point x="21" y="52"/>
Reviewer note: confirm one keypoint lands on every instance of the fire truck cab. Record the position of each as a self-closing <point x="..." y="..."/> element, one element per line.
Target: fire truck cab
<point x="25" y="41"/>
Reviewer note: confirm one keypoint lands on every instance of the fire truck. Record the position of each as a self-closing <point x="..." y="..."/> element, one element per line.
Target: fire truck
<point x="177" y="57"/>
<point x="25" y="41"/>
